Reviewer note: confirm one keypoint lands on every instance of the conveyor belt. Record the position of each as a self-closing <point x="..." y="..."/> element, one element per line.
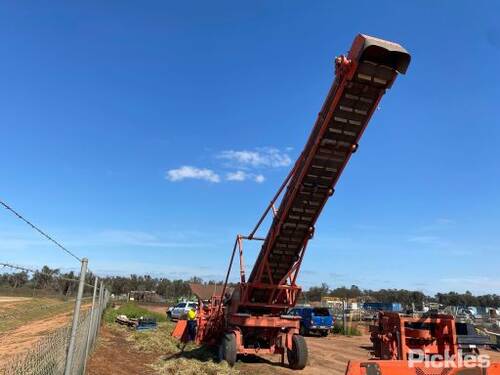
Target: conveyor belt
<point x="354" y="96"/>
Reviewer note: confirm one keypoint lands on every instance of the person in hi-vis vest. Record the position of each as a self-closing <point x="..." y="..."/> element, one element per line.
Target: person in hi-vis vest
<point x="191" y="317"/>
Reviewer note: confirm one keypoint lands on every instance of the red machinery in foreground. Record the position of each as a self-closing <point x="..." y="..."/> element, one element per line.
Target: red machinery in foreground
<point x="432" y="344"/>
<point x="253" y="318"/>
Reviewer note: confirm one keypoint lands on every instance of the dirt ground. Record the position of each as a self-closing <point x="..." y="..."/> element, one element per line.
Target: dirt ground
<point x="329" y="355"/>
<point x="115" y="355"/>
<point x="12" y="299"/>
<point x="160" y="309"/>
<point x="29" y="319"/>
<point x="326" y="355"/>
<point x="22" y="338"/>
<point x="494" y="355"/>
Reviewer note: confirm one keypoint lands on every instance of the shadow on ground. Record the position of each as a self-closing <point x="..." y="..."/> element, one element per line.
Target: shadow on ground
<point x="199" y="353"/>
<point x="204" y="354"/>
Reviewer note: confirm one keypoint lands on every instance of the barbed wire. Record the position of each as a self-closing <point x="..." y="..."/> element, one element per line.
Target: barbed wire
<point x="7" y="207"/>
<point x="52" y="275"/>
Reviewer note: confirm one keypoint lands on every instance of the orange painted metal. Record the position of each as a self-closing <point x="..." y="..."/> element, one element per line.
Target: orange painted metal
<point x="378" y="367"/>
<point x="355" y="94"/>
<point x="289" y="323"/>
<point x="180" y="329"/>
<point x="395" y="335"/>
<point x="397" y="339"/>
<point x="255" y="312"/>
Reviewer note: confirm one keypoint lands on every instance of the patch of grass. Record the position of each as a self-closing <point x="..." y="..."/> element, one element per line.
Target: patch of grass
<point x="27" y="291"/>
<point x="178" y="357"/>
<point x="183" y="366"/>
<point x="132" y="311"/>
<point x="156" y="341"/>
<point x="193" y="359"/>
<point x="16" y="314"/>
<point x="352" y="330"/>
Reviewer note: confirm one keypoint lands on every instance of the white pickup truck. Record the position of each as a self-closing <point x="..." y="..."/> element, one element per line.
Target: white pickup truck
<point x="180" y="310"/>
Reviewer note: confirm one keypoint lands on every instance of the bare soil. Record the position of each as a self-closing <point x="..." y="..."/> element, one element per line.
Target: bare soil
<point x="13" y="299"/>
<point x="160" y="309"/>
<point x="494" y="355"/>
<point x="28" y="320"/>
<point x="115" y="355"/>
<point x="327" y="355"/>
<point x="22" y="338"/>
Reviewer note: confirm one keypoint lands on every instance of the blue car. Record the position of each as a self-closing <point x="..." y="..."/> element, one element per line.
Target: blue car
<point x="313" y="319"/>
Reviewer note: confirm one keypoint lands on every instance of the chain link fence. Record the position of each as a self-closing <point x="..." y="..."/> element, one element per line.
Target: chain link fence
<point x="49" y="355"/>
<point x="64" y="351"/>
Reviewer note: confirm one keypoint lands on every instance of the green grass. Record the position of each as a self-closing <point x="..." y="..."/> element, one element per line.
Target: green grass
<point x="132" y="311"/>
<point x="17" y="314"/>
<point x="25" y="291"/>
<point x="158" y="341"/>
<point x="176" y="357"/>
<point x="183" y="366"/>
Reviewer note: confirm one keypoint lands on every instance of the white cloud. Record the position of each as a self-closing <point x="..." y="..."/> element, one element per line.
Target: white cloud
<point x="236" y="176"/>
<point x="187" y="171"/>
<point x="263" y="157"/>
<point x="242" y="176"/>
<point x="259" y="178"/>
<point x="243" y="165"/>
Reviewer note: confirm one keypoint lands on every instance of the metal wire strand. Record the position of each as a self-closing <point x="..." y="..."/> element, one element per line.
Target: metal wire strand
<point x="39" y="230"/>
<point x="30" y="270"/>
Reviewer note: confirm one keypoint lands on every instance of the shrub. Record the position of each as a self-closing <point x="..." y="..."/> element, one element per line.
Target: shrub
<point x="338" y="328"/>
<point x="131" y="310"/>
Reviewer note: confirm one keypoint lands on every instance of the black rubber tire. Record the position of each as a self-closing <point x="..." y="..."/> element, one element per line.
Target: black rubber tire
<point x="227" y="349"/>
<point x="303" y="330"/>
<point x="324" y="333"/>
<point x="297" y="357"/>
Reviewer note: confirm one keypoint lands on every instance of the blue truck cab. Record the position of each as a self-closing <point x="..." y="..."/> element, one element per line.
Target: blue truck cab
<point x="313" y="319"/>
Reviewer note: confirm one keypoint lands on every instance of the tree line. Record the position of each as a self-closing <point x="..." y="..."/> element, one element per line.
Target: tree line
<point x="405" y="297"/>
<point x="46" y="279"/>
<point x="173" y="289"/>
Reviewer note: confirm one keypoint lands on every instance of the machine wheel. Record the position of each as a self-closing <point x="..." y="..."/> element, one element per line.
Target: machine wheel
<point x="324" y="333"/>
<point x="227" y="349"/>
<point x="297" y="357"/>
<point x="303" y="330"/>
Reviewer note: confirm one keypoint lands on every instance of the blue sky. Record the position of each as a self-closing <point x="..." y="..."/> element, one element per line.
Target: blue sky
<point x="145" y="137"/>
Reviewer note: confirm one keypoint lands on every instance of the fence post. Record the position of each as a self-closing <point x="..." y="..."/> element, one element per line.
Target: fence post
<point x="101" y="305"/>
<point x="97" y="313"/>
<point x="91" y="323"/>
<point x="76" y="315"/>
<point x="345" y="316"/>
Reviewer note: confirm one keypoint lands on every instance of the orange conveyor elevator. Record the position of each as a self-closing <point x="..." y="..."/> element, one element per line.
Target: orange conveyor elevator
<point x="252" y="317"/>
